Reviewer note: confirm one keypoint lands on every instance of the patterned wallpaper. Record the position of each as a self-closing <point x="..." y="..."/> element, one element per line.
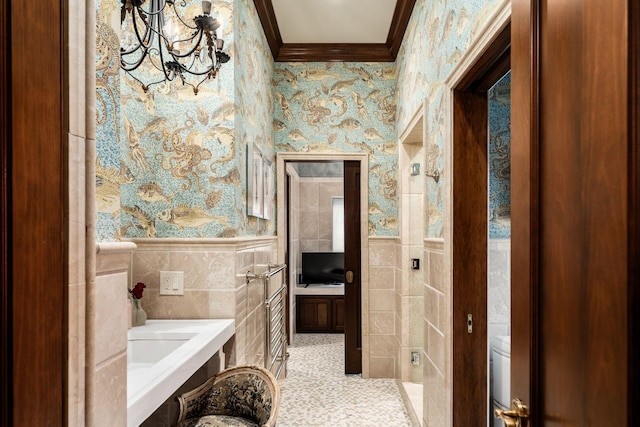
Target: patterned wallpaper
<point x="438" y="34"/>
<point x="500" y="159"/>
<point x="176" y="159"/>
<point x="254" y="100"/>
<point x="174" y="164"/>
<point x="344" y="108"/>
<point x="108" y="171"/>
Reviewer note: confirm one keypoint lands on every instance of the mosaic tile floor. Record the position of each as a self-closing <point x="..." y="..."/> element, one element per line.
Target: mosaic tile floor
<point x="316" y="393"/>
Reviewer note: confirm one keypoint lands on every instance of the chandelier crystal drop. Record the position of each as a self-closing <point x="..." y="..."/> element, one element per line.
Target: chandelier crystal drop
<point x="159" y="34"/>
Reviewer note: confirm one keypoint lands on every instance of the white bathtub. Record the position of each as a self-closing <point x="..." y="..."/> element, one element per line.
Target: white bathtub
<point x="163" y="354"/>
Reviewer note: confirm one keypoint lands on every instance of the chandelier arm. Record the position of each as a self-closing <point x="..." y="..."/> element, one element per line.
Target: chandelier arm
<point x="153" y="61"/>
<point x="148" y="34"/>
<point x="175" y="10"/>
<point x="164" y="66"/>
<point x="192" y="49"/>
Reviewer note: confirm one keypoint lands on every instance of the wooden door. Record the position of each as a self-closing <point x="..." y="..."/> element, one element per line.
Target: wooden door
<point x="575" y="210"/>
<point x="352" y="262"/>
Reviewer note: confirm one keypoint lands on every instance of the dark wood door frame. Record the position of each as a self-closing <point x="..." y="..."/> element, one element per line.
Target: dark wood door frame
<point x="33" y="245"/>
<point x="469" y="238"/>
<point x="6" y="322"/>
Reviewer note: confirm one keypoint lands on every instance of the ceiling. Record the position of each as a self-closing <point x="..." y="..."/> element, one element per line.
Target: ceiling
<point x="334" y="30"/>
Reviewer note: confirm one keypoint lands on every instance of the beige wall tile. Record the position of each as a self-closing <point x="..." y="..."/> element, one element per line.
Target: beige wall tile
<point x="382" y="323"/>
<point x="308" y="195"/>
<point x="111" y="315"/>
<point x="147" y="265"/>
<point x="109" y="405"/>
<point x="222" y="304"/>
<point x="382" y="345"/>
<point x="309" y="224"/>
<point x="245" y="260"/>
<point x="417" y="321"/>
<point x="381" y="300"/>
<point x="205" y="270"/>
<point x="435" y="348"/>
<point x="76" y="359"/>
<point x="194" y="304"/>
<point x="431" y="307"/>
<point x="382" y="277"/>
<point x="77" y="257"/>
<point x="437" y="273"/>
<point x="382" y="253"/>
<point x="382" y="367"/>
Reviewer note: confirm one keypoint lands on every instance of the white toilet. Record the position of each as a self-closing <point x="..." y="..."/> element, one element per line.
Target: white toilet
<point x="500" y="376"/>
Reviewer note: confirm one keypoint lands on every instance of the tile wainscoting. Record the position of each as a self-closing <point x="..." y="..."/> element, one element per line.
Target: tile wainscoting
<point x="215" y="285"/>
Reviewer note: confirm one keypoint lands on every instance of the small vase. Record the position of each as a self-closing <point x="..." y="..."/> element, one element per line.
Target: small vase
<point x="138" y="315"/>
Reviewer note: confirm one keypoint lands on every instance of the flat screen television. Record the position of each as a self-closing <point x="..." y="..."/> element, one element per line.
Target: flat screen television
<point x="322" y="267"/>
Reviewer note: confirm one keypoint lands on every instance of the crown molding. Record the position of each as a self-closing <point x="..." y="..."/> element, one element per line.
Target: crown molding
<point x="334" y="52"/>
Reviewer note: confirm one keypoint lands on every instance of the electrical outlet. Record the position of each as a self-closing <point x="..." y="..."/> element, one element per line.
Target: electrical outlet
<point x="415" y="358"/>
<point x="172" y="283"/>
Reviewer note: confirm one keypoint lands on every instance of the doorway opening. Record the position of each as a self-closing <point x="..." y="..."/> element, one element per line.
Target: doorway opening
<point x="470" y="204"/>
<point x="310" y="189"/>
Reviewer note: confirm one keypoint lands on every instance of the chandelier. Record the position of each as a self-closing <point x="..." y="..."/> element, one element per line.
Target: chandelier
<point x="191" y="53"/>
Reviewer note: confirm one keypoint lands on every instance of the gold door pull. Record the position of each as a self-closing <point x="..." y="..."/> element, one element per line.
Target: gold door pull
<point x="349" y="276"/>
<point x="517" y="416"/>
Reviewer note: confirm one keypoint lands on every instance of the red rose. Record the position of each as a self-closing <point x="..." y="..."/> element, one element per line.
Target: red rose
<point x="137" y="290"/>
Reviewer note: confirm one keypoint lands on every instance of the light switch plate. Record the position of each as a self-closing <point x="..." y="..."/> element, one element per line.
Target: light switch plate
<point x="172" y="283"/>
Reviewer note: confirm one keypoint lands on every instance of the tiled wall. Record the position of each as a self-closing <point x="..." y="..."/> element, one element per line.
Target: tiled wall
<point x="409" y="282"/>
<point x="107" y="404"/>
<point x="382" y="303"/>
<point x="437" y="327"/>
<point x="214" y="285"/>
<point x="316" y="212"/>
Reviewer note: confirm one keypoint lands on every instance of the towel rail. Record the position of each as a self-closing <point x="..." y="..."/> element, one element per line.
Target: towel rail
<point x="275" y="317"/>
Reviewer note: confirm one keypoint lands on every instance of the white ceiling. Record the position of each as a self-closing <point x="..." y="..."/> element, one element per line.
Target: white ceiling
<point x="334" y="21"/>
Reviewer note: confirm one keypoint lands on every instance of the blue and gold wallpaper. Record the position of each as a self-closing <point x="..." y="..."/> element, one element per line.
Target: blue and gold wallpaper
<point x="254" y="100"/>
<point x="172" y="164"/>
<point x="108" y="117"/>
<point x="500" y="159"/>
<point x="438" y="34"/>
<point x="344" y="108"/>
<point x="175" y="158"/>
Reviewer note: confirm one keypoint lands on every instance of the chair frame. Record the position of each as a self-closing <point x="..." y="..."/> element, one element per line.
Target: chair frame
<point x="265" y="374"/>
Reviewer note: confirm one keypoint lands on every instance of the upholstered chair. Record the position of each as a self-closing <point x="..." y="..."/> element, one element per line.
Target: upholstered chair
<point x="245" y="396"/>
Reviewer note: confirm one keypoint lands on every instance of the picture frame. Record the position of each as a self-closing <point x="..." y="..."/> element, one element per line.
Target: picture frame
<point x="255" y="181"/>
<point x="260" y="184"/>
<point x="267" y="210"/>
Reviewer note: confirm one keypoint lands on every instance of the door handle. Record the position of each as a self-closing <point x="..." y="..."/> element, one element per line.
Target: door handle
<point x="517" y="416"/>
<point x="349" y="276"/>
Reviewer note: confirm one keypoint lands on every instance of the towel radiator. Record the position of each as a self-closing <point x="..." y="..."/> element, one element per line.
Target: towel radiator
<point x="275" y="306"/>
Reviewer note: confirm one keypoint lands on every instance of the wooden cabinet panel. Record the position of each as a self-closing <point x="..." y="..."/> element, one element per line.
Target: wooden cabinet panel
<point x="323" y="313"/>
<point x="338" y="314"/>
